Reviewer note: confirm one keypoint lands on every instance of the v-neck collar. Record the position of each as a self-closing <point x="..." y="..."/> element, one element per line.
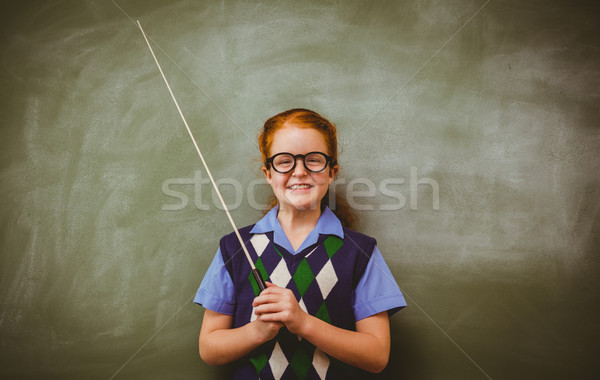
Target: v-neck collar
<point x="328" y="224"/>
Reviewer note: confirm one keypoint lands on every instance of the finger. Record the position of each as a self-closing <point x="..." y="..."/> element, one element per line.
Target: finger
<point x="265" y="299"/>
<point x="273" y="294"/>
<point x="271" y="288"/>
<point x="275" y="324"/>
<point x="267" y="308"/>
<point x="271" y="317"/>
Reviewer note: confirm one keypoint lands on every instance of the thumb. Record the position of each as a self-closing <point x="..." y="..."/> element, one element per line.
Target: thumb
<point x="270" y="284"/>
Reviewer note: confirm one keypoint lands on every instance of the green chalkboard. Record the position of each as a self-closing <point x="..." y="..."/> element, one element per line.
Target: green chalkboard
<point x="469" y="148"/>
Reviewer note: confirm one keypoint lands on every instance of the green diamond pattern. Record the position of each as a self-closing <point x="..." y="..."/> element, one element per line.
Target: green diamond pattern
<point x="261" y="268"/>
<point x="303" y="277"/>
<point x="332" y="245"/>
<point x="259" y="362"/>
<point x="323" y="313"/>
<point x="300" y="363"/>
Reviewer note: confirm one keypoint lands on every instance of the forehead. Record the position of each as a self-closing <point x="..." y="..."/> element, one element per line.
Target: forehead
<point x="298" y="140"/>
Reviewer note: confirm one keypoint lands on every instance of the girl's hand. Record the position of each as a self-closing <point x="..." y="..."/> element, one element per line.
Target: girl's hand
<point x="265" y="331"/>
<point x="277" y="304"/>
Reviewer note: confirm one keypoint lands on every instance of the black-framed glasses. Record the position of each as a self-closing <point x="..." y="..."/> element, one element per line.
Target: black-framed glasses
<point x="286" y="162"/>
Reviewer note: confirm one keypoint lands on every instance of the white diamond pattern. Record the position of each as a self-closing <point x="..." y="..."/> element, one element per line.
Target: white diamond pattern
<point x="278" y="362"/>
<point x="321" y="363"/>
<point x="259" y="242"/>
<point x="281" y="275"/>
<point x="302" y="305"/>
<point x="326" y="279"/>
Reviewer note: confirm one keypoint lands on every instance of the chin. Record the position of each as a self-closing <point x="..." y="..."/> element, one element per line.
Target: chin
<point x="307" y="207"/>
<point x="303" y="202"/>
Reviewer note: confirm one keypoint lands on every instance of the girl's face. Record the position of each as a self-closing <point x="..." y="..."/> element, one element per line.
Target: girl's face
<point x="299" y="189"/>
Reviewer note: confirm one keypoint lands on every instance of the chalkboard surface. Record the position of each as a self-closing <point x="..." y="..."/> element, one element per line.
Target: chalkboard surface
<point x="470" y="149"/>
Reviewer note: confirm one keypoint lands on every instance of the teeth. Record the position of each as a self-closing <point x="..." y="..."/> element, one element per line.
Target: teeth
<point x="294" y="187"/>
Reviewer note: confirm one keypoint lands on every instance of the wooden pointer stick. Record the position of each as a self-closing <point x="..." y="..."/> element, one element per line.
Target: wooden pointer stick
<point x="255" y="272"/>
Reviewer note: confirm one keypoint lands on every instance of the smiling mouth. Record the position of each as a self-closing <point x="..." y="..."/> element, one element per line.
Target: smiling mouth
<point x="299" y="187"/>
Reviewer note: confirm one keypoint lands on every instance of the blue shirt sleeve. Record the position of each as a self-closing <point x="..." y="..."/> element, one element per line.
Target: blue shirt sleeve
<point x="216" y="291"/>
<point x="377" y="290"/>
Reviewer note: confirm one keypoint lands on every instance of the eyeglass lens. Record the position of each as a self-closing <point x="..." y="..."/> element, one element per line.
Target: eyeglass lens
<point x="285" y="162"/>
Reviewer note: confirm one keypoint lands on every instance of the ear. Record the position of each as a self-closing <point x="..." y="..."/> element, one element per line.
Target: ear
<point x="333" y="172"/>
<point x="267" y="174"/>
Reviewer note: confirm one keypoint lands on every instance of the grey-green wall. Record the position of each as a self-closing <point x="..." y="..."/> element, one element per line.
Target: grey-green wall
<point x="496" y="103"/>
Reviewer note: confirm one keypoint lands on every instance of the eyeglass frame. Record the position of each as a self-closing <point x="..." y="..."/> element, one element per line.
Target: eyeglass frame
<point x="328" y="160"/>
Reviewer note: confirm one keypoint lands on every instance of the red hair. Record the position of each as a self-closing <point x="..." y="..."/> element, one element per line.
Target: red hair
<point x="304" y="118"/>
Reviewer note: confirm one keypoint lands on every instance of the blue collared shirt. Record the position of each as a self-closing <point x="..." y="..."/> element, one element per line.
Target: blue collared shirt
<point x="376" y="291"/>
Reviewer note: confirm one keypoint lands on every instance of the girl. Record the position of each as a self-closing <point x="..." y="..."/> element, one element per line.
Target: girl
<point x="329" y="292"/>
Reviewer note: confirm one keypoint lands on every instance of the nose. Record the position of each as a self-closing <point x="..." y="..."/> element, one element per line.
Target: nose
<point x="299" y="170"/>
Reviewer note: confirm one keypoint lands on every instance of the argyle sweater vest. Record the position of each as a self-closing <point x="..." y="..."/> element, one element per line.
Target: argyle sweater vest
<point x="323" y="278"/>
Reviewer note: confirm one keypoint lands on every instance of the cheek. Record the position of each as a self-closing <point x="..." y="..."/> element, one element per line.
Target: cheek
<point x="278" y="181"/>
<point x="324" y="179"/>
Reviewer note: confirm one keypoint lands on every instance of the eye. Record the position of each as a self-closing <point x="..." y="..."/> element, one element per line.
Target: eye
<point x="283" y="161"/>
<point x="315" y="159"/>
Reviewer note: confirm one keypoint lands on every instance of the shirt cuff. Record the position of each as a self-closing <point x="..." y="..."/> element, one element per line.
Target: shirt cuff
<point x="213" y="303"/>
<point x="391" y="304"/>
